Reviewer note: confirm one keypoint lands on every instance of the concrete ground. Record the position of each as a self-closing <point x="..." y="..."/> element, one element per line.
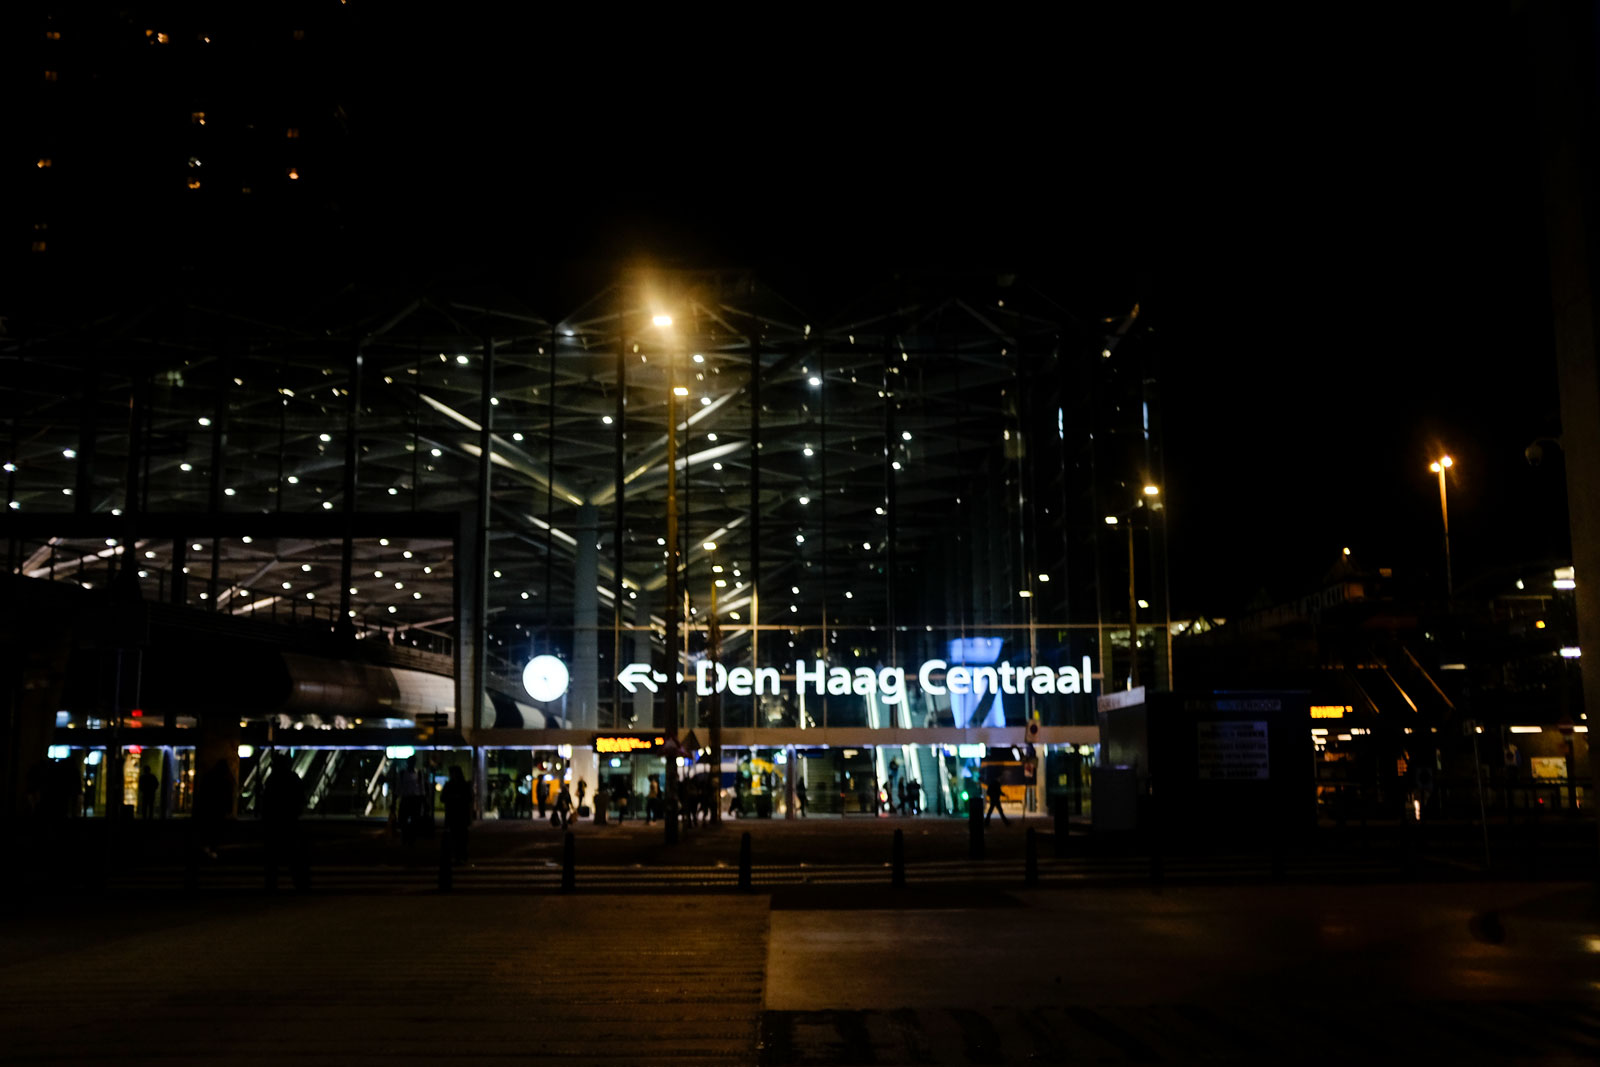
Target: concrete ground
<point x="1241" y="969"/>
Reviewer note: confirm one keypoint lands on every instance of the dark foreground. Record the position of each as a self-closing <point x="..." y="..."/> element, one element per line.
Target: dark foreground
<point x="656" y="957"/>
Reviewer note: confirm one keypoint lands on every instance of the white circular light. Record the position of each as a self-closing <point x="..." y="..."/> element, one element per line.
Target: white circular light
<point x="545" y="678"/>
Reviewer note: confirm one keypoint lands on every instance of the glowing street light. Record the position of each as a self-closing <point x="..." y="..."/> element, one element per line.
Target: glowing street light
<point x="1439" y="466"/>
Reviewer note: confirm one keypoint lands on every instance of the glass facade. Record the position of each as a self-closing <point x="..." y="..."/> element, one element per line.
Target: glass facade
<point x="933" y="509"/>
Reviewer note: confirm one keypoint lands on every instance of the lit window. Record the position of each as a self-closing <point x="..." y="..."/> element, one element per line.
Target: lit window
<point x="38" y="246"/>
<point x="45" y="162"/>
<point x="52" y="35"/>
<point x="197" y="117"/>
<point x="292" y="133"/>
<point x="294" y="174"/>
<point x="194" y="183"/>
<point x="51" y="76"/>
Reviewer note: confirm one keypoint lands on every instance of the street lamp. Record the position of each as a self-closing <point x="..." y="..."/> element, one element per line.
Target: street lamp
<point x="1439" y="466"/>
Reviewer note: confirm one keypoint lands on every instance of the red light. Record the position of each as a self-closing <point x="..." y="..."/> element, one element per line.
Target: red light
<point x="136" y="712"/>
<point x="135" y="749"/>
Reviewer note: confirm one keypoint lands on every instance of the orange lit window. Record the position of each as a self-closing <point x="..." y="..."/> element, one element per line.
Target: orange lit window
<point x="1539" y="625"/>
<point x="162" y="38"/>
<point x="294" y="174"/>
<point x="38" y="246"/>
<point x="292" y="132"/>
<point x="246" y="189"/>
<point x="198" y="117"/>
<point x="194" y="183"/>
<point x="45" y="162"/>
<point x="51" y="76"/>
<point x="41" y="226"/>
<point x="52" y="35"/>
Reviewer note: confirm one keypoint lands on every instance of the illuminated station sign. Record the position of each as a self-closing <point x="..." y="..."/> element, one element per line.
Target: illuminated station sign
<point x="936" y="677"/>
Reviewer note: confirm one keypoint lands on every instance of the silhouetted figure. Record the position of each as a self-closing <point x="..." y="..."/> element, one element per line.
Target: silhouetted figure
<point x="564" y="806"/>
<point x="800" y="795"/>
<point x="282" y="799"/>
<point x="542" y="792"/>
<point x="994" y="801"/>
<point x="583" y="790"/>
<point x="410" y="789"/>
<point x="213" y="806"/>
<point x="652" y="803"/>
<point x="149" y="790"/>
<point x="457" y="797"/>
<point x="913" y="797"/>
<point x="602" y="801"/>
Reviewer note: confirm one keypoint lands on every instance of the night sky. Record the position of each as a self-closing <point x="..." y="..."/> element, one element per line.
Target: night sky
<point x="1334" y="228"/>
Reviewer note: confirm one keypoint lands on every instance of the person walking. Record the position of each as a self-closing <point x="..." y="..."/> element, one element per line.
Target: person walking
<point x="564" y="806"/>
<point x="652" y="803"/>
<point x="542" y="793"/>
<point x="994" y="800"/>
<point x="458" y="801"/>
<point x="800" y="795"/>
<point x="282" y="798"/>
<point x="583" y="790"/>
<point x="410" y="790"/>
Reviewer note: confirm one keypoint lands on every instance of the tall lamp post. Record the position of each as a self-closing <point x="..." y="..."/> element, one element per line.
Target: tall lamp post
<point x="674" y="603"/>
<point x="1439" y="466"/>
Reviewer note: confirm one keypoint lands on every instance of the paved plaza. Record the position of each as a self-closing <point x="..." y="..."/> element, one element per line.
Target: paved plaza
<point x="837" y="971"/>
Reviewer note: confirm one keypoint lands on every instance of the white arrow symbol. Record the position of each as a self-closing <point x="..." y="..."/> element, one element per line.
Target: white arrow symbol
<point x="636" y="674"/>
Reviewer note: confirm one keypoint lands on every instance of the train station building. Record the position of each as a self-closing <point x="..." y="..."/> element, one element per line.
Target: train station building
<point x="863" y="541"/>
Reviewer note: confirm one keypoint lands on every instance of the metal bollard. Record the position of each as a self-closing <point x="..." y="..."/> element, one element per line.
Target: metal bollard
<point x="446" y="867"/>
<point x="744" y="860"/>
<point x="897" y="860"/>
<point x="569" y="864"/>
<point x="1030" y="863"/>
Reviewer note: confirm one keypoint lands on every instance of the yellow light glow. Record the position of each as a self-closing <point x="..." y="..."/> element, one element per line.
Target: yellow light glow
<point x="1539" y="625"/>
<point x="1111" y="520"/>
<point x="1447" y="462"/>
<point x="1434" y="467"/>
<point x="680" y="390"/>
<point x="1329" y="711"/>
<point x="1151" y="490"/>
<point x="710" y="546"/>
<point x="661" y="320"/>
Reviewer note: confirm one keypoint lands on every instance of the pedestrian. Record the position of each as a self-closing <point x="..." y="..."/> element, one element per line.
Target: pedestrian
<point x="282" y="799"/>
<point x="458" y="800"/>
<point x="543" y="794"/>
<point x="800" y="795"/>
<point x="914" y="797"/>
<point x="903" y="795"/>
<point x="994" y="799"/>
<point x="410" y="790"/>
<point x="563" y="813"/>
<point x="149" y="789"/>
<point x="583" y="789"/>
<point x="213" y="807"/>
<point x="652" y="803"/>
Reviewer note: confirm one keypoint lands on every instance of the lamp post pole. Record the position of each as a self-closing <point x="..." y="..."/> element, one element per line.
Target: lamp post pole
<point x="674" y="605"/>
<point x="714" y="653"/>
<point x="1439" y="466"/>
